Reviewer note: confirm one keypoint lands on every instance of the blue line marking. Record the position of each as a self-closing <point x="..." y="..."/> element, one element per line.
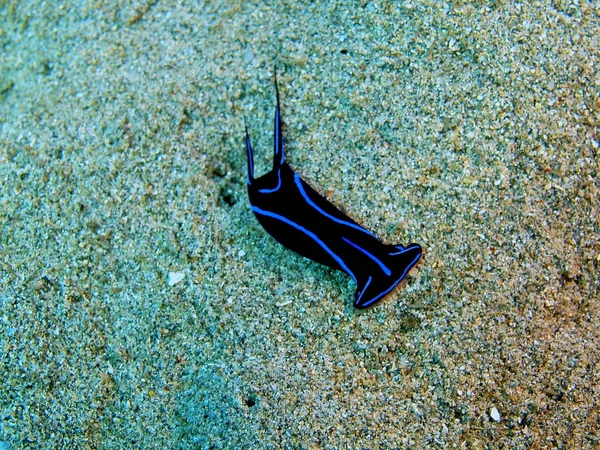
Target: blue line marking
<point x="365" y="288"/>
<point x="270" y="191"/>
<point x="297" y="179"/>
<point x="387" y="271"/>
<point x="309" y="234"/>
<point x="399" y="247"/>
<point x="373" y="300"/>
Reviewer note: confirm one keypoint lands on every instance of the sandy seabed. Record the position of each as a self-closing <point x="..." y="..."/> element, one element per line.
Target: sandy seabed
<point x="143" y="306"/>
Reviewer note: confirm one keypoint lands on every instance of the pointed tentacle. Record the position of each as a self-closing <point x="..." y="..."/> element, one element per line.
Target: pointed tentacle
<point x="278" y="156"/>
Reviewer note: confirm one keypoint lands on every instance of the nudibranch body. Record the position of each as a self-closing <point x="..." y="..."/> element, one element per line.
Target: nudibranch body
<point x="304" y="221"/>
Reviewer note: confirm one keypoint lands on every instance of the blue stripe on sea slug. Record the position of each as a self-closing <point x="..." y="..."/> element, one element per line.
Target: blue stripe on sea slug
<point x="304" y="221"/>
<point x="387" y="271"/>
<point x="299" y="182"/>
<point x="269" y="191"/>
<point x="309" y="234"/>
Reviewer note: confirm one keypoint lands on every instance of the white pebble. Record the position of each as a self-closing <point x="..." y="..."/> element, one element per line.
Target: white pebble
<point x="495" y="414"/>
<point x="175" y="277"/>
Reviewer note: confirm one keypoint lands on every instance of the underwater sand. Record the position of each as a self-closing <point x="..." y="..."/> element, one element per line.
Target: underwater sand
<point x="143" y="306"/>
